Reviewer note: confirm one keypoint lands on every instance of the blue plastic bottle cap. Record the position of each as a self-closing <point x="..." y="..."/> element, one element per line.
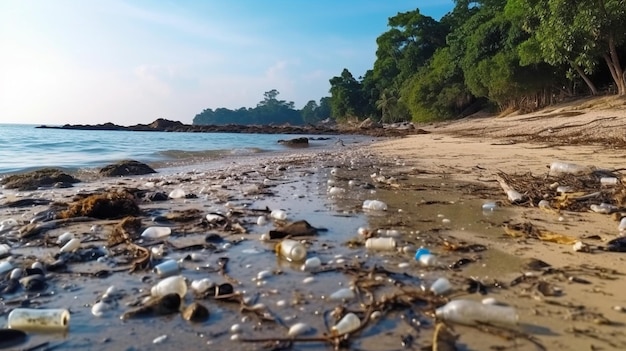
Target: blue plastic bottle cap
<point x="421" y="251"/>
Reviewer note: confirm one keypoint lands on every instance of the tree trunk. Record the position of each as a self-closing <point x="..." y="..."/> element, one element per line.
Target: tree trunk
<point x="612" y="60"/>
<point x="581" y="73"/>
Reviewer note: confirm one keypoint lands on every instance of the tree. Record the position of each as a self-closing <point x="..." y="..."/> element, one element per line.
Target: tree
<point x="346" y="96"/>
<point x="386" y="103"/>
<point x="576" y="33"/>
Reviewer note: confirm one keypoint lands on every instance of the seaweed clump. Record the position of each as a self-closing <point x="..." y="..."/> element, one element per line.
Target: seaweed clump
<point x="112" y="204"/>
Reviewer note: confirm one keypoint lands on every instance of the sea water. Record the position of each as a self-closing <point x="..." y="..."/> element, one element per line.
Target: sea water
<point x="25" y="147"/>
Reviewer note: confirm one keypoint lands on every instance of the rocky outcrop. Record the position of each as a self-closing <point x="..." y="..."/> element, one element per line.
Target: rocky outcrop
<point x="125" y="168"/>
<point x="296" y="142"/>
<point x="46" y="177"/>
<point x="367" y="127"/>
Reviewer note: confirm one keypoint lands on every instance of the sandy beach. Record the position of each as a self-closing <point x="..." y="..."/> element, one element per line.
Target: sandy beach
<point x="434" y="186"/>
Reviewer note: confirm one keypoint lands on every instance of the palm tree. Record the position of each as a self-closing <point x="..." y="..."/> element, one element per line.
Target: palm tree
<point x="386" y="103"/>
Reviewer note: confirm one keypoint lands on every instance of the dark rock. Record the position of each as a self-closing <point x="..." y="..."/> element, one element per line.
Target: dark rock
<point x="195" y="313"/>
<point x="45" y="177"/>
<point x="11" y="338"/>
<point x="297" y="228"/>
<point x="617" y="244"/>
<point x="126" y="168"/>
<point x="156" y="196"/>
<point x="297" y="142"/>
<point x="35" y="282"/>
<point x="160" y="306"/>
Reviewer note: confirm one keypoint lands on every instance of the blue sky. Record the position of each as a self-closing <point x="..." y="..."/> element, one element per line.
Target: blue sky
<point x="129" y="62"/>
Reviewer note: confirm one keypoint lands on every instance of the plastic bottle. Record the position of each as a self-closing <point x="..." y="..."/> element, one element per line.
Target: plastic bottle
<point x="167" y="268"/>
<point x="558" y="168"/>
<point x="5" y="266"/>
<point x="170" y="285"/>
<point x="156" y="232"/>
<point x="374" y="205"/>
<point x="39" y="319"/>
<point x="383" y="244"/>
<point x="441" y="286"/>
<point x="421" y="251"/>
<point x="489" y="206"/>
<point x="177" y="194"/>
<point x="278" y="214"/>
<point x="5" y="250"/>
<point x="350" y="322"/>
<point x="202" y="285"/>
<point x="311" y="263"/>
<point x="65" y="237"/>
<point x="469" y="312"/>
<point x="291" y="250"/>
<point x="608" y="181"/>
<point x="71" y="245"/>
<point x="622" y="225"/>
<point x="342" y="294"/>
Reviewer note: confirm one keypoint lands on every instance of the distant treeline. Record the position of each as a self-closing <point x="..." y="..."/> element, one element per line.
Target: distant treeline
<point x="269" y="111"/>
<point x="490" y="54"/>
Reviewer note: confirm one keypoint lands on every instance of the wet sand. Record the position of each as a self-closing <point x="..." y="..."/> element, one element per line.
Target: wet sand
<point x="434" y="185"/>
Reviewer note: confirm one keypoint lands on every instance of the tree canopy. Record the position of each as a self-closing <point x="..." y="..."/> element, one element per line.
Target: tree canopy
<point x="494" y="54"/>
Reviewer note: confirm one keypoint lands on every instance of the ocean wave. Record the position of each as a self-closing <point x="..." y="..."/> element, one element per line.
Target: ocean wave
<point x="205" y="154"/>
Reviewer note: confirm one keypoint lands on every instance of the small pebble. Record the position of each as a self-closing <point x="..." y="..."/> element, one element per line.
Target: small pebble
<point x="160" y="339"/>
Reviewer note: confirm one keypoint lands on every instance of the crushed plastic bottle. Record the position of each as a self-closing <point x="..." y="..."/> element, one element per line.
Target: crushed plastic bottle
<point x="349" y="323"/>
<point x="374" y="205"/>
<point x="558" y="168"/>
<point x="156" y="232"/>
<point x="441" y="286"/>
<point x="469" y="312"/>
<point x="177" y="194"/>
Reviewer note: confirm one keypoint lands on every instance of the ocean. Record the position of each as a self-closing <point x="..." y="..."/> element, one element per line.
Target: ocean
<point x="24" y="147"/>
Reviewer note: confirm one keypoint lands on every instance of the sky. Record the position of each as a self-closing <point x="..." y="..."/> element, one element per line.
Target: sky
<point x="133" y="61"/>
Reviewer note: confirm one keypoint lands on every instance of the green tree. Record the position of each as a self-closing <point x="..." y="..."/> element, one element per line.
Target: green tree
<point x="578" y="33"/>
<point x="346" y="96"/>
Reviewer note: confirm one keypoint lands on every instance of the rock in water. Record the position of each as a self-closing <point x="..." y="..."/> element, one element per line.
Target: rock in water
<point x="297" y="142"/>
<point x="159" y="306"/>
<point x="125" y="168"/>
<point x="196" y="313"/>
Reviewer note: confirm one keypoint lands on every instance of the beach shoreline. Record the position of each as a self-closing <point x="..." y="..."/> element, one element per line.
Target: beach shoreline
<point x="434" y="185"/>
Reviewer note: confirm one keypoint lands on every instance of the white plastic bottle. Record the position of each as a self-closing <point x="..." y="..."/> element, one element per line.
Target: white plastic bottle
<point x="382" y="244"/>
<point x="71" y="245"/>
<point x="350" y="322"/>
<point x="156" y="232"/>
<point x="280" y="215"/>
<point x="291" y="250"/>
<point x="441" y="286"/>
<point x="469" y="312"/>
<point x="167" y="268"/>
<point x="39" y="319"/>
<point x="374" y="205"/>
<point x="558" y="168"/>
<point x="170" y="285"/>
